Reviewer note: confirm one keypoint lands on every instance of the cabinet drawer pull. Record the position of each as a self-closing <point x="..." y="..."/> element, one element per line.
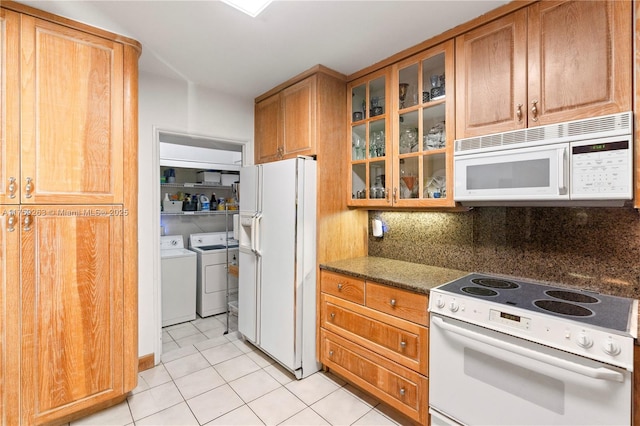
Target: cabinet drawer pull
<point x="332" y="315"/>
<point x="403" y="344"/>
<point x="12" y="187"/>
<point x="534" y="110"/>
<point x="392" y="302"/>
<point x="519" y="112"/>
<point x="28" y="187"/>
<point x="339" y="286"/>
<point x="330" y="353"/>
<point x="402" y="391"/>
<point x="11" y="221"/>
<point x="27" y="222"/>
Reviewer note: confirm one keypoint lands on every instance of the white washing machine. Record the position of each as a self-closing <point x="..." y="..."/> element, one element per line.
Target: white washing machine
<point x="178" y="280"/>
<point x="211" y="249"/>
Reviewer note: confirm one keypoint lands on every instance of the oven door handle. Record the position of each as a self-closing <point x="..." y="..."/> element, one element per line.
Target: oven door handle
<point x="596" y="373"/>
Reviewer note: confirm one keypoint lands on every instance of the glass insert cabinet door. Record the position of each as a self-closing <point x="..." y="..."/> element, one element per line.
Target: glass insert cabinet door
<point x="369" y="136"/>
<point x="424" y="129"/>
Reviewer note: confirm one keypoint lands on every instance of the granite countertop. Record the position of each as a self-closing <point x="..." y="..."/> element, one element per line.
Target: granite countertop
<point x="397" y="273"/>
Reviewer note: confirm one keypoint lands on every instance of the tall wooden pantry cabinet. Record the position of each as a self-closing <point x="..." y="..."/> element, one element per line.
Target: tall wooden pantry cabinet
<point x="68" y="217"/>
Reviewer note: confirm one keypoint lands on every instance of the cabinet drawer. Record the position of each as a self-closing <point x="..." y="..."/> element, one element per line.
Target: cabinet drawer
<point x="400" y="303"/>
<point x="403" y="389"/>
<point x="342" y="286"/>
<point x="400" y="341"/>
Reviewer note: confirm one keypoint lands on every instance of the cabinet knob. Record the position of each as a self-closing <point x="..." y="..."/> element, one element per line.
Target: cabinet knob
<point x="12" y="187"/>
<point x="332" y="315"/>
<point x="519" y="112"/>
<point x="330" y="353"/>
<point x="11" y="221"/>
<point x="402" y="391"/>
<point x="392" y="302"/>
<point x="395" y="194"/>
<point x="28" y="187"/>
<point x="339" y="286"/>
<point x="534" y="110"/>
<point x="27" y="222"/>
<point x="403" y="344"/>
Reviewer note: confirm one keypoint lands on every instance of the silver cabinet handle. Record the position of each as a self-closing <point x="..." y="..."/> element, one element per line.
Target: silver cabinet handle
<point x="12" y="187"/>
<point x="11" y="221"/>
<point x="402" y="391"/>
<point x="27" y="222"/>
<point x="330" y="353"/>
<point x="332" y="315"/>
<point x="339" y="286"/>
<point x="28" y="187"/>
<point x="392" y="302"/>
<point x="403" y="344"/>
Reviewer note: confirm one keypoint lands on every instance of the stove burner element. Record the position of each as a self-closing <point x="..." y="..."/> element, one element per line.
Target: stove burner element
<point x="571" y="296"/>
<point x="495" y="283"/>
<point x="563" y="308"/>
<point x="479" y="291"/>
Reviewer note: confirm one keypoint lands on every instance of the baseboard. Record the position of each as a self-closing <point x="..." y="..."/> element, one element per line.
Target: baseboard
<point x="146" y="362"/>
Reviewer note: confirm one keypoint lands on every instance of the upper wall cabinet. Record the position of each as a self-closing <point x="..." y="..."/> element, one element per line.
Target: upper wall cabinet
<point x="401" y="132"/>
<point x="548" y="63"/>
<point x="286" y="122"/>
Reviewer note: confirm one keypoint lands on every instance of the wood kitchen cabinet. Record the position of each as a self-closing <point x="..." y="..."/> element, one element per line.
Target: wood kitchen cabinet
<point x="403" y="156"/>
<point x="68" y="231"/>
<point x="547" y="63"/>
<point x="377" y="337"/>
<point x="291" y="121"/>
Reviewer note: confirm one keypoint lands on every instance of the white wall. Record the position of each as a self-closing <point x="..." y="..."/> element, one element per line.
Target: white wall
<point x="174" y="105"/>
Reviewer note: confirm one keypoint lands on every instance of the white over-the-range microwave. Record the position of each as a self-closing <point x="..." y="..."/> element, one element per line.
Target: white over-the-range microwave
<point x="585" y="162"/>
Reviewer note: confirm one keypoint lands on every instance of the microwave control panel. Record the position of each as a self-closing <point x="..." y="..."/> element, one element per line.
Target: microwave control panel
<point x="601" y="170"/>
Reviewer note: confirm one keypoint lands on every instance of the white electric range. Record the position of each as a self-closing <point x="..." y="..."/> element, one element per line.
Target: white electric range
<point x="507" y="351"/>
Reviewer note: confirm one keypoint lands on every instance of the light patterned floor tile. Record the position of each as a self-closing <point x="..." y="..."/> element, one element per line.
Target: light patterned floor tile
<point x="211" y="342"/>
<point x="277" y="406"/>
<point x="260" y="358"/>
<point x="179" y="331"/>
<point x="119" y="415"/>
<point x="375" y="418"/>
<point x="156" y="376"/>
<point x="306" y="417"/>
<point x="192" y="340"/>
<point x="214" y="403"/>
<point x="312" y="388"/>
<point x="280" y="373"/>
<point x="186" y="365"/>
<point x="242" y="416"/>
<point x="254" y="385"/>
<point x="236" y="367"/>
<point x="341" y="407"/>
<point x="177" y="415"/>
<point x="221" y="353"/>
<point x="177" y="353"/>
<point x="199" y="382"/>
<point x="169" y="346"/>
<point x="154" y="400"/>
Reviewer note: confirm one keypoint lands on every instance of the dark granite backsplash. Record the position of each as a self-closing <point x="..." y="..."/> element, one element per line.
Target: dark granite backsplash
<point x="591" y="248"/>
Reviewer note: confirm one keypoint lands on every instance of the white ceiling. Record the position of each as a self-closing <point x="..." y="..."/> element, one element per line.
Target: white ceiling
<point x="209" y="43"/>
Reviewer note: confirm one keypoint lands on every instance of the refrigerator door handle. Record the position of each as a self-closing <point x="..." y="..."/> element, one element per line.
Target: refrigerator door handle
<point x="255" y="234"/>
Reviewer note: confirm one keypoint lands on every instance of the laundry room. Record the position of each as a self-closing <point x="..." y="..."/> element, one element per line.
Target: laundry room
<point x="199" y="184"/>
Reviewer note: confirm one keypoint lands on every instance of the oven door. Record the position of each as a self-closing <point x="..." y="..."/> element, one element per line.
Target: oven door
<point x="479" y="376"/>
<point x="534" y="173"/>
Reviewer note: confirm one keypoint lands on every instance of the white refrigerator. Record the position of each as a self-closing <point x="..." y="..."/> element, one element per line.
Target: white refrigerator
<point x="277" y="262"/>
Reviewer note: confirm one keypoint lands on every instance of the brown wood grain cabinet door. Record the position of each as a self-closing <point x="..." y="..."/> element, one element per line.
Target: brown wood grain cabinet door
<point x="72" y="311"/>
<point x="72" y="115"/>
<point x="268" y="133"/>
<point x="491" y="77"/>
<point x="579" y="59"/>
<point x="299" y="118"/>
<point x="9" y="313"/>
<point x="9" y="107"/>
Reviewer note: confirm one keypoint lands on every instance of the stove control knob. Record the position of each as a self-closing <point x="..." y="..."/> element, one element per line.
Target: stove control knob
<point x="440" y="303"/>
<point x="584" y="340"/>
<point x="453" y="306"/>
<point x="611" y="347"/>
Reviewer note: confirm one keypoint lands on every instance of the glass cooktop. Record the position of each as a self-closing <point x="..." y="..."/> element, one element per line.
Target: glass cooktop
<point x="597" y="309"/>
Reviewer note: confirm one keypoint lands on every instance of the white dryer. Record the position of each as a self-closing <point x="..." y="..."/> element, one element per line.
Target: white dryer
<point x="211" y="249"/>
<point x="178" y="280"/>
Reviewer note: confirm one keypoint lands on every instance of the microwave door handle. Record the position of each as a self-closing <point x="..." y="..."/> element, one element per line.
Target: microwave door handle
<point x="562" y="167"/>
<point x="600" y="373"/>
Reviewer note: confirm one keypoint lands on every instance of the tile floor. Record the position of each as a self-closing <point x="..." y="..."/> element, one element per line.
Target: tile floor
<point x="207" y="377"/>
